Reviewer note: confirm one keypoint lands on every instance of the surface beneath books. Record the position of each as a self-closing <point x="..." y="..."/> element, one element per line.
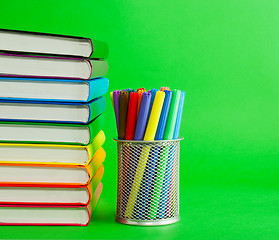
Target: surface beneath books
<point x="207" y="212"/>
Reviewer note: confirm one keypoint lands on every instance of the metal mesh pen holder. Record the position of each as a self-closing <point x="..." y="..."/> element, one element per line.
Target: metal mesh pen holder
<point x="148" y="182"/>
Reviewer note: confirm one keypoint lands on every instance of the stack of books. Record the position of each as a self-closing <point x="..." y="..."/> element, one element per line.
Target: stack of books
<point x="51" y="105"/>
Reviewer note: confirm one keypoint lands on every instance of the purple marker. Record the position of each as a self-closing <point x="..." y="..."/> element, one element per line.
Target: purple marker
<point x="142" y="118"/>
<point x="116" y="95"/>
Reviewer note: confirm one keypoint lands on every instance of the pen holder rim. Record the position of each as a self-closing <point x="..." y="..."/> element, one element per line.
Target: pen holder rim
<point x="142" y="141"/>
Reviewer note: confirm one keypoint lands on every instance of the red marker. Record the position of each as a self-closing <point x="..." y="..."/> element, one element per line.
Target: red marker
<point x="132" y="116"/>
<point x="141" y="89"/>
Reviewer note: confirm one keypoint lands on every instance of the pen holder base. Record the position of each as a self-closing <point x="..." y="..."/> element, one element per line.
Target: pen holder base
<point x="148" y="182"/>
<point x="148" y="223"/>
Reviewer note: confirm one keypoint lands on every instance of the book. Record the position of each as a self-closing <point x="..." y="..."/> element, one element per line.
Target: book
<point x="17" y="153"/>
<point x="49" y="215"/>
<point x="51" y="44"/>
<point x="49" y="195"/>
<point x="51" y="67"/>
<point x="54" y="175"/>
<point x="60" y="112"/>
<point x="48" y="89"/>
<point x="27" y="132"/>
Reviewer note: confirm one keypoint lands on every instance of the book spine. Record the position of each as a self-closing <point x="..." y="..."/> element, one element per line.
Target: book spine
<point x="97" y="142"/>
<point x="96" y="162"/>
<point x="96" y="107"/>
<point x="98" y="176"/>
<point x="99" y="49"/>
<point x="97" y="87"/>
<point x="99" y="68"/>
<point x="95" y="127"/>
<point x="95" y="198"/>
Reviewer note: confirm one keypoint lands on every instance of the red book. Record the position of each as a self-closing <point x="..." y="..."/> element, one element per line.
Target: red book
<point x="132" y="116"/>
<point x="30" y="214"/>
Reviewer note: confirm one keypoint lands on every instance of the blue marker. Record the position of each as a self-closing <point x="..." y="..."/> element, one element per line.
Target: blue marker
<point x="142" y="118"/>
<point x="179" y="116"/>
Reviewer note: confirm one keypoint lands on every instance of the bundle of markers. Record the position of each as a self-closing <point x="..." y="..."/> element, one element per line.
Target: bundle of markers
<point x="148" y="174"/>
<point x="148" y="115"/>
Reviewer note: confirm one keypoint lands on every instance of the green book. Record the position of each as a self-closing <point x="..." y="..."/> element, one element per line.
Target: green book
<point x="36" y="43"/>
<point x="26" y="132"/>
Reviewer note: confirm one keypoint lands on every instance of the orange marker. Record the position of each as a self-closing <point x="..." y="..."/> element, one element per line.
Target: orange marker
<point x="141" y="89"/>
<point x="140" y="92"/>
<point x="165" y="88"/>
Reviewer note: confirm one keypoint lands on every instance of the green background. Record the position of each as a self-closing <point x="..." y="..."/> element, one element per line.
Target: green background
<point x="224" y="55"/>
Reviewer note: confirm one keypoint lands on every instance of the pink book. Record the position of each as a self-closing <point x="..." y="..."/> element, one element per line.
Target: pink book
<point x="49" y="215"/>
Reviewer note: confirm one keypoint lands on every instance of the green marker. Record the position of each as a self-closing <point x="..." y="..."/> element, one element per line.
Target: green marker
<point x="159" y="180"/>
<point x="168" y="135"/>
<point x="164" y="155"/>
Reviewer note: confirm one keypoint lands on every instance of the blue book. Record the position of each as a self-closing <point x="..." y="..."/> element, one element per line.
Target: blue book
<point x="57" y="90"/>
<point x="51" y="112"/>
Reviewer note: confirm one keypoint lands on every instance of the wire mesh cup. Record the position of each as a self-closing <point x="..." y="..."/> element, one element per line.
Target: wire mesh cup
<point x="148" y="182"/>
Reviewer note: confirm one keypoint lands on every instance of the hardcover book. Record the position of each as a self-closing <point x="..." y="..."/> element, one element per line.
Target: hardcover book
<point x="47" y="89"/>
<point x="17" y="153"/>
<point x="34" y="111"/>
<point x="26" y="132"/>
<point x="51" y="44"/>
<point x="51" y="67"/>
<point x="54" y="175"/>
<point x="49" y="215"/>
<point x="49" y="195"/>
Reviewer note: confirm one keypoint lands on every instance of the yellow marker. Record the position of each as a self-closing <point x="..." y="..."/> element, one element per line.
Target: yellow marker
<point x="154" y="116"/>
<point x="149" y="136"/>
<point x="111" y="97"/>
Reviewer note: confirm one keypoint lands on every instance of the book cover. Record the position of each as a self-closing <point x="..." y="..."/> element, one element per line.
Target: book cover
<point x="17" y="214"/>
<point x="9" y="133"/>
<point x="11" y="198"/>
<point x="15" y="65"/>
<point x="45" y="44"/>
<point x="52" y="90"/>
<point x="89" y="170"/>
<point x="51" y="112"/>
<point x="17" y="150"/>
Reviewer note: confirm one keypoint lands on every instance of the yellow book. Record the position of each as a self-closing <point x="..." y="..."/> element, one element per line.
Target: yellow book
<point x="51" y="175"/>
<point x="16" y="153"/>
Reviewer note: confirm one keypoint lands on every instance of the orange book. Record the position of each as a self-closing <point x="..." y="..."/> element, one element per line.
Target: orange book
<point x="50" y="175"/>
<point x="51" y="195"/>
